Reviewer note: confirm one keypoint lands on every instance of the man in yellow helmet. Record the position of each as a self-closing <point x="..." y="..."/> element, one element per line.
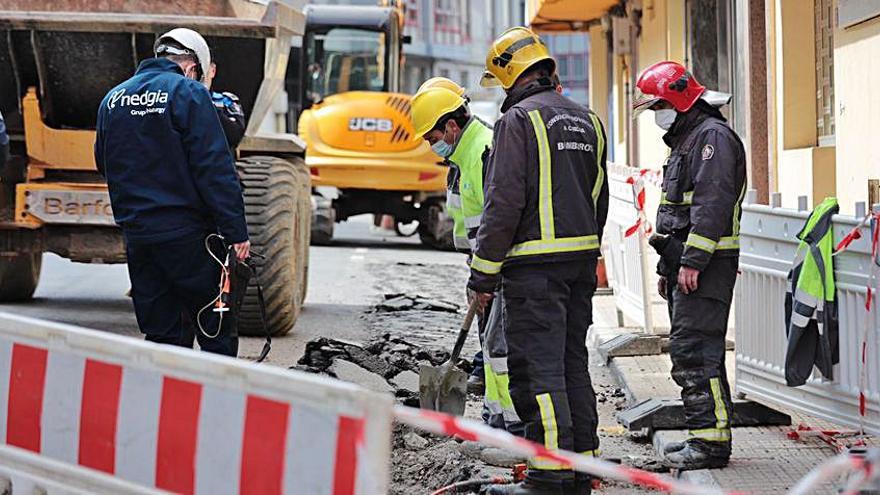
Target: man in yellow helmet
<point x="546" y="204"/>
<point x="441" y="117"/>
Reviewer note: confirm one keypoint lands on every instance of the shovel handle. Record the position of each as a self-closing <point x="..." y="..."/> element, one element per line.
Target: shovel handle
<point x="462" y="333"/>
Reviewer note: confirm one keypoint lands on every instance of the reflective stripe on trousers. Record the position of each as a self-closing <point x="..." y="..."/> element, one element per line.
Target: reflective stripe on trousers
<point x="551" y="435"/>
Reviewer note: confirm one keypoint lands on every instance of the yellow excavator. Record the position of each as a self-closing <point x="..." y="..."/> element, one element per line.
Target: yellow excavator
<point x="357" y="124"/>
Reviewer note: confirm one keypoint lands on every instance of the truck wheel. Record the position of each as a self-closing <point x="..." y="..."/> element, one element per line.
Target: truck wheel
<point x="19" y="276"/>
<point x="304" y="229"/>
<point x="323" y="220"/>
<point x="273" y="190"/>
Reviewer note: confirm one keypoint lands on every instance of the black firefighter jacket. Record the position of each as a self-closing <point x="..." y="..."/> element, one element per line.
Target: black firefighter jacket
<point x="546" y="185"/>
<point x="704" y="182"/>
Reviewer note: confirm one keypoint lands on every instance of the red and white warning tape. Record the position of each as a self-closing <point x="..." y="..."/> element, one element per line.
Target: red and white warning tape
<point x="466" y="429"/>
<point x="872" y="220"/>
<point x="637" y="181"/>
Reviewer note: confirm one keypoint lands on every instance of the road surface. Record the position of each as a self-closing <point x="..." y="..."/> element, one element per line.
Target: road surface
<point x="341" y="289"/>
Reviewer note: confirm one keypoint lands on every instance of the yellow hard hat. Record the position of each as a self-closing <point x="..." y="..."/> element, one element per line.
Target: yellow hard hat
<point x="431" y="104"/>
<point x="442" y="82"/>
<point x="511" y="54"/>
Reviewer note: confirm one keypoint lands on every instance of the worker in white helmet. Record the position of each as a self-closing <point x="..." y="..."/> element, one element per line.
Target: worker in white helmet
<point x="173" y="184"/>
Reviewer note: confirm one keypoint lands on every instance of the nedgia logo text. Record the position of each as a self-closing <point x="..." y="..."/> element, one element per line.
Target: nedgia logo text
<point x="147" y="99"/>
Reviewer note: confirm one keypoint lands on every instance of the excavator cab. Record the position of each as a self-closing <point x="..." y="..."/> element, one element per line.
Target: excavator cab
<point x="357" y="125"/>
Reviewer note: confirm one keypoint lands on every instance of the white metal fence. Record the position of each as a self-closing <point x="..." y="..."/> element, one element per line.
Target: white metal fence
<point x="767" y="251"/>
<point x="627" y="256"/>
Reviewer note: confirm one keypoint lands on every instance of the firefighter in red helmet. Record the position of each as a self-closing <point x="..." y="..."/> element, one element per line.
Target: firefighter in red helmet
<point x="704" y="181"/>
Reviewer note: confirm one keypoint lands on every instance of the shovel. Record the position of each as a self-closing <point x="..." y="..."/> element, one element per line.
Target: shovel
<point x="444" y="388"/>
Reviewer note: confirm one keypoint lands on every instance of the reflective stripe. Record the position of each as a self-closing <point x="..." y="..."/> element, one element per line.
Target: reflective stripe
<point x="736" y="211"/>
<point x="799" y="320"/>
<point x="701" y="243"/>
<point x="711" y="434"/>
<point x="462" y="242"/>
<point x="548" y="421"/>
<point x="600" y="172"/>
<point x="805" y="298"/>
<point x="473" y="222"/>
<point x="485" y="266"/>
<point x="453" y="200"/>
<point x="729" y="242"/>
<point x="563" y="245"/>
<point x="591" y="453"/>
<point x="551" y="435"/>
<point x="545" y="187"/>
<point x="688" y="199"/>
<point x="721" y="417"/>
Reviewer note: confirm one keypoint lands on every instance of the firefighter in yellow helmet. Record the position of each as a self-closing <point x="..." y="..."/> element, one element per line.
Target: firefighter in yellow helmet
<point x="443" y="82"/>
<point x="441" y="116"/>
<point x="546" y="204"/>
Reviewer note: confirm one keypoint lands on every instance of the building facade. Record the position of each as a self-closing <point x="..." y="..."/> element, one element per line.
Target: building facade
<point x="802" y="74"/>
<point x="572" y="53"/>
<point x="450" y="38"/>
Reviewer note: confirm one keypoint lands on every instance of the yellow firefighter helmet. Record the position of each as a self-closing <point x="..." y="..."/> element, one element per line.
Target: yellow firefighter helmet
<point x="442" y="82"/>
<point x="511" y="54"/>
<point x="431" y="104"/>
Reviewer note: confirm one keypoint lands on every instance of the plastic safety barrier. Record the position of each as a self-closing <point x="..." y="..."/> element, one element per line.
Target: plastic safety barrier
<point x="25" y="473"/>
<point x="768" y="246"/>
<point x="185" y="421"/>
<point x="627" y="255"/>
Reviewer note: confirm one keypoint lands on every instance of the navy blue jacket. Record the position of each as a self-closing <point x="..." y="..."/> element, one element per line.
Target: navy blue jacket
<point x="162" y="150"/>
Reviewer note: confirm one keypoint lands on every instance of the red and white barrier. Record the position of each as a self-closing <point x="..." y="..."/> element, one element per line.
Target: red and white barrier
<point x="185" y="421"/>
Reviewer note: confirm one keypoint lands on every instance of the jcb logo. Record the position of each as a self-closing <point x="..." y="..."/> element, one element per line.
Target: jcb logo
<point x="369" y="124"/>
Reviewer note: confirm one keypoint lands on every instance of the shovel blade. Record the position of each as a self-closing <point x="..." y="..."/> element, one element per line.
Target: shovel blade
<point x="442" y="388"/>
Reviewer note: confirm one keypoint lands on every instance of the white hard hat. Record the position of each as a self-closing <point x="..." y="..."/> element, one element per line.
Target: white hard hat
<point x="191" y="41"/>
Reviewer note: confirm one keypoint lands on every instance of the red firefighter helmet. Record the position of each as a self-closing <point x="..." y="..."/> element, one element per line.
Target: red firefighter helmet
<point x="668" y="81"/>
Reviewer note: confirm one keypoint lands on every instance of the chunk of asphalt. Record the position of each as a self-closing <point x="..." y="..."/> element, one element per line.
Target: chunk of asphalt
<point x="413" y="441"/>
<point x="350" y="372"/>
<point x="407" y="380"/>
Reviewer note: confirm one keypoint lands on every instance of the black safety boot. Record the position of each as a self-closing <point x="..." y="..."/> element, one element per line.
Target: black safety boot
<point x="674" y="447"/>
<point x="581" y="485"/>
<point x="699" y="455"/>
<point x="523" y="488"/>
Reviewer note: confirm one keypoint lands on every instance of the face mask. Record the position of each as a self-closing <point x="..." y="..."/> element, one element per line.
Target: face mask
<point x="665" y="118"/>
<point x="442" y="148"/>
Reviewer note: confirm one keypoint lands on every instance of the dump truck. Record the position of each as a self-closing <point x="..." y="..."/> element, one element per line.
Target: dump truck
<point x="357" y="124"/>
<point x="58" y="58"/>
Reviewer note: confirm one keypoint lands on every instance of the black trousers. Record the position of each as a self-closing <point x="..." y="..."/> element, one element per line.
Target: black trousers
<point x="697" y="349"/>
<point x="547" y="309"/>
<point x="173" y="279"/>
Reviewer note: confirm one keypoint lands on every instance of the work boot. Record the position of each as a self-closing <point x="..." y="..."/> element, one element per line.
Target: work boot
<point x="582" y="485"/>
<point x="674" y="447"/>
<point x="476" y="385"/>
<point x="698" y="455"/>
<point x="523" y="488"/>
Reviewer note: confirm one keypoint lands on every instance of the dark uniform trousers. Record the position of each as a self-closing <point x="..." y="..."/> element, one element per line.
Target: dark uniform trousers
<point x="547" y="309"/>
<point x="697" y="349"/>
<point x="174" y="278"/>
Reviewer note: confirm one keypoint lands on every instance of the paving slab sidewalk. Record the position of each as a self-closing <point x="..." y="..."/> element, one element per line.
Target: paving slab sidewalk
<point x="764" y="461"/>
